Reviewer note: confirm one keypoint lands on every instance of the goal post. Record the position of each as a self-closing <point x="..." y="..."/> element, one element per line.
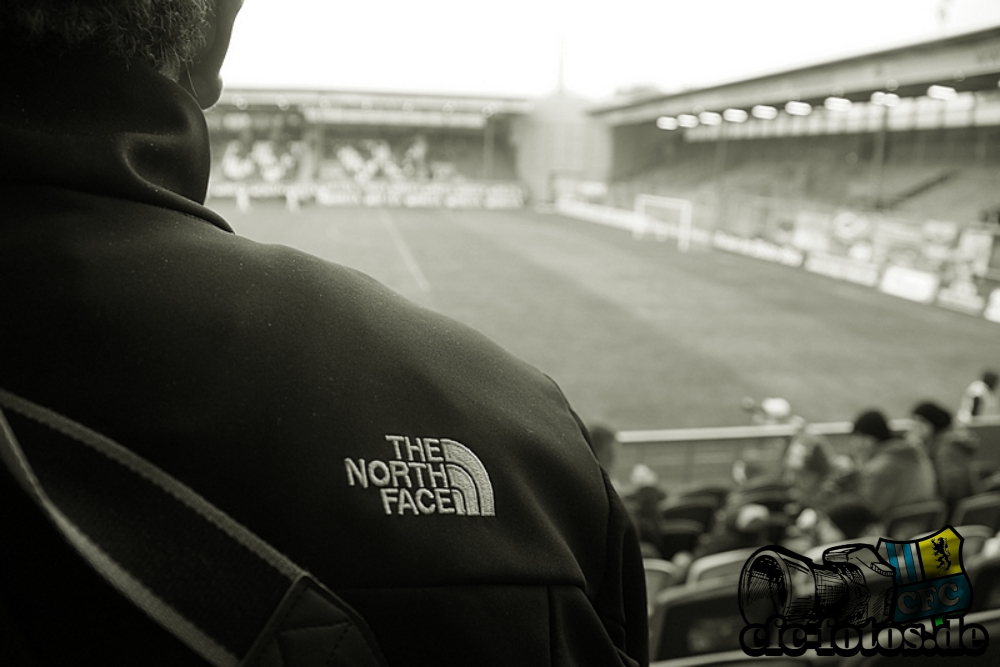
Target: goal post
<point x="663" y="217"/>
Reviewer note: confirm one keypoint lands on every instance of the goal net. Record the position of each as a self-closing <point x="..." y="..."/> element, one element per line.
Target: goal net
<point x="663" y="218"/>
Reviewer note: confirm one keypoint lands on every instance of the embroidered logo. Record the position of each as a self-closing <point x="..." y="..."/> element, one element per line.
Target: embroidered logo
<point x="426" y="476"/>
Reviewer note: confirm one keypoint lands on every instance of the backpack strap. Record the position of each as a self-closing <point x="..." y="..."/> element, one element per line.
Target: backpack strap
<point x="227" y="594"/>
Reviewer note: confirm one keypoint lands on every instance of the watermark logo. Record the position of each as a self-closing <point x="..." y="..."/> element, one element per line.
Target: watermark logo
<point x="930" y="579"/>
<point x="861" y="599"/>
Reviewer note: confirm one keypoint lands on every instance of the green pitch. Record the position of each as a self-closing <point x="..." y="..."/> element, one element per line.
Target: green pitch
<point x="640" y="335"/>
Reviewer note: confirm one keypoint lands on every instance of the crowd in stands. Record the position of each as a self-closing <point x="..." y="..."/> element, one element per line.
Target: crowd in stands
<point x="888" y="484"/>
<point x="359" y="159"/>
<point x="420" y="157"/>
<point x="264" y="161"/>
<point x="818" y="496"/>
<point x="369" y="159"/>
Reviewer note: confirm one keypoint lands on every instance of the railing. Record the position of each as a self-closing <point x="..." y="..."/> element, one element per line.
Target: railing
<point x="681" y="456"/>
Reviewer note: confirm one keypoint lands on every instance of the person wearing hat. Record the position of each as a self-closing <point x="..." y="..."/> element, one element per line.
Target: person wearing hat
<point x="980" y="398"/>
<point x="952" y="449"/>
<point x="892" y="471"/>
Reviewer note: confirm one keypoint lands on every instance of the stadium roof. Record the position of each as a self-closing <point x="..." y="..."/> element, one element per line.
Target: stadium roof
<point x="970" y="61"/>
<point x="378" y="108"/>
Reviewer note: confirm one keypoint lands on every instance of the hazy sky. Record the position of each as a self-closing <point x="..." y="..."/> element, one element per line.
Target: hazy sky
<point x="513" y="46"/>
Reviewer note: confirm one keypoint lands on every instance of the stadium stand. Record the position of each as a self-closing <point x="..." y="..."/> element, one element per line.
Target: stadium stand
<point x="371" y="149"/>
<point x="890" y="180"/>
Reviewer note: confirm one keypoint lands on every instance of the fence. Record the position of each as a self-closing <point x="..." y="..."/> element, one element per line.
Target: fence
<point x="681" y="456"/>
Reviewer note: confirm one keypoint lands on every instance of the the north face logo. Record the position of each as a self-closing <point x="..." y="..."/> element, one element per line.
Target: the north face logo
<point x="426" y="476"/>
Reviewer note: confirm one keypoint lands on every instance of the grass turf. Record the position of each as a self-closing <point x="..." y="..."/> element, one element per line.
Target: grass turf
<point x="640" y="335"/>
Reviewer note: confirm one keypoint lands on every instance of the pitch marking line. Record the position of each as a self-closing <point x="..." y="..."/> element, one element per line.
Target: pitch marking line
<point x="404" y="250"/>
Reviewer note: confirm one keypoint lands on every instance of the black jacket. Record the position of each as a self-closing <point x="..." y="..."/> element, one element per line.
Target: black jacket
<point x="307" y="401"/>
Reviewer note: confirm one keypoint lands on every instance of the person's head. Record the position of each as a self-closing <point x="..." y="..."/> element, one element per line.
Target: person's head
<point x="643" y="476"/>
<point x="807" y="465"/>
<point x="750" y="518"/>
<point x="872" y="423"/>
<point x="929" y="419"/>
<point x="605" y="445"/>
<point x="185" y="40"/>
<point x="870" y="430"/>
<point x="990" y="380"/>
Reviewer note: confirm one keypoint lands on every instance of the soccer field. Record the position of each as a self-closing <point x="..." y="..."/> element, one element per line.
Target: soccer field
<point x="640" y="335"/>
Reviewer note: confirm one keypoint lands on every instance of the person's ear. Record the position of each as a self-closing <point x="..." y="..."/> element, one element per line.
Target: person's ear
<point x="201" y="78"/>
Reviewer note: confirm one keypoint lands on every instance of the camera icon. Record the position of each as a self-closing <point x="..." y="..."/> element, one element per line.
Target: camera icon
<point x="852" y="585"/>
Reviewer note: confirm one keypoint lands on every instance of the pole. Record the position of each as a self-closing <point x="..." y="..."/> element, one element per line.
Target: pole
<point x="720" y="177"/>
<point x="488" y="139"/>
<point x="878" y="159"/>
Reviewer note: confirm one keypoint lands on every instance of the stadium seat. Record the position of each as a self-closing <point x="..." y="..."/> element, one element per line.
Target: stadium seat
<point x="694" y="620"/>
<point x="775" y="500"/>
<point x="702" y="511"/>
<point x="984" y="573"/>
<point x="990" y="484"/>
<point x="905" y="521"/>
<point x="772" y="492"/>
<point x="660" y="574"/>
<point x="717" y="493"/>
<point x="723" y="565"/>
<point x="981" y="509"/>
<point x="764" y="483"/>
<point x="677" y="535"/>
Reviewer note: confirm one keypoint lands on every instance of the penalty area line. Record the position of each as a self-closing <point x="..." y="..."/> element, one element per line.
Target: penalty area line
<point x="404" y="250"/>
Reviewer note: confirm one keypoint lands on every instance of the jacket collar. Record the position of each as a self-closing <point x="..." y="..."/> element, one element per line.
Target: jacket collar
<point x="102" y="126"/>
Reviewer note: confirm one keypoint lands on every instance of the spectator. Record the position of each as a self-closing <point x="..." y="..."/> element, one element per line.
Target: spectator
<point x="846" y="518"/>
<point x="261" y="376"/>
<point x="852" y="518"/>
<point x="643" y="504"/>
<point x="980" y="399"/>
<point x="606" y="447"/>
<point x="740" y="526"/>
<point x="812" y="469"/>
<point x="952" y="449"/>
<point x="891" y="471"/>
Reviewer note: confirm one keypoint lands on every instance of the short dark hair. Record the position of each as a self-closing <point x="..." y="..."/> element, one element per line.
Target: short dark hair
<point x="603" y="439"/>
<point x="872" y="423"/>
<point x="934" y="414"/>
<point x="990" y="379"/>
<point x="165" y="34"/>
